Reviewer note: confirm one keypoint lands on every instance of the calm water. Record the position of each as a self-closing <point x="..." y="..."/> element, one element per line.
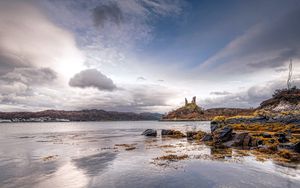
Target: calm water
<point x="84" y="154"/>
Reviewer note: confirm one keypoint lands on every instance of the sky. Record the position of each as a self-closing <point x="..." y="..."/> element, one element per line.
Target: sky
<point x="145" y="55"/>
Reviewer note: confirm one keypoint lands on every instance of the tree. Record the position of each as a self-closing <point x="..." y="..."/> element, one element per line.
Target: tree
<point x="289" y="80"/>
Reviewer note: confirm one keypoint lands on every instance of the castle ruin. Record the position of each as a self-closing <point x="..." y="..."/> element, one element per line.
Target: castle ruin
<point x="193" y="101"/>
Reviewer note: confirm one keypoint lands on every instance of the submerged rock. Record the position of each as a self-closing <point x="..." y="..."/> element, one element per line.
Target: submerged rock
<point x="150" y="132"/>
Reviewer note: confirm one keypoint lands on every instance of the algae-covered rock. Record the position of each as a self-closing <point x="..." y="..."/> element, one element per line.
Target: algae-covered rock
<point x="172" y="133"/>
<point x="222" y="134"/>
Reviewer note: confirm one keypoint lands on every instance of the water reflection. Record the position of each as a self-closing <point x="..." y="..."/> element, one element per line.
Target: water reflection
<point x="66" y="176"/>
<point x="94" y="164"/>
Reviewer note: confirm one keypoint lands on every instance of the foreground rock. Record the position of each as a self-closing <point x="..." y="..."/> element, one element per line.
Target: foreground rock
<point x="150" y="132"/>
<point x="222" y="134"/>
<point x="199" y="135"/>
<point x="172" y="133"/>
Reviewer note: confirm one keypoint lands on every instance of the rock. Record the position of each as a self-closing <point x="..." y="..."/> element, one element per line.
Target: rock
<point x="214" y="126"/>
<point x="259" y="142"/>
<point x="228" y="144"/>
<point x="198" y="135"/>
<point x="286" y="146"/>
<point x="255" y="142"/>
<point x="283" y="140"/>
<point x="242" y="139"/>
<point x="247" y="141"/>
<point x="166" y="132"/>
<point x="266" y="135"/>
<point x="150" y="132"/>
<point x="297" y="147"/>
<point x="282" y="137"/>
<point x="206" y="137"/>
<point x="238" y="139"/>
<point x="222" y="134"/>
<point x="172" y="133"/>
<point x="272" y="141"/>
<point x="290" y="146"/>
<point x="190" y="135"/>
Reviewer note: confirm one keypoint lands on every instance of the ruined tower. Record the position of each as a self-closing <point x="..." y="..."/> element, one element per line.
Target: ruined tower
<point x="194" y="100"/>
<point x="186" y="102"/>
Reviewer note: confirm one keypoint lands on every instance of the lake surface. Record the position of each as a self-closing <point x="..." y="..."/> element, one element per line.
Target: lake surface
<point x="92" y="154"/>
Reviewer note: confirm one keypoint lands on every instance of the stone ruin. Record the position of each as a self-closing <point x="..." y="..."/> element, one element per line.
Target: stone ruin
<point x="193" y="101"/>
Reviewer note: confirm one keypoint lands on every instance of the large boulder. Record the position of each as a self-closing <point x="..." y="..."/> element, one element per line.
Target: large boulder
<point x="239" y="138"/>
<point x="150" y="132"/>
<point x="222" y="134"/>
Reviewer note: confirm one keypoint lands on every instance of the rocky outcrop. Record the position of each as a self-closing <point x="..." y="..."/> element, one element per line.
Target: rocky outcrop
<point x="192" y="112"/>
<point x="283" y="100"/>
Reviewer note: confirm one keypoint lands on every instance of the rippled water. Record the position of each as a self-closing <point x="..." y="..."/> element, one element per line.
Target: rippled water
<point x="84" y="154"/>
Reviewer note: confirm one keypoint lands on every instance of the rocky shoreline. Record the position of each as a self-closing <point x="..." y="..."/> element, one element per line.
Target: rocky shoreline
<point x="277" y="146"/>
<point x="271" y="131"/>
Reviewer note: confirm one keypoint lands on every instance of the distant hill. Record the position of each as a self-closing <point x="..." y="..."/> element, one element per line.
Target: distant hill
<point x="83" y="115"/>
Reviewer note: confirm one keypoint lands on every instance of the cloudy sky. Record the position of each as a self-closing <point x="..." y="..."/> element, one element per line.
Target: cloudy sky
<point x="145" y="55"/>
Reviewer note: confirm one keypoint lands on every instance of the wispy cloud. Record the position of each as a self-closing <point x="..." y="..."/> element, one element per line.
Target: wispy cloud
<point x="265" y="45"/>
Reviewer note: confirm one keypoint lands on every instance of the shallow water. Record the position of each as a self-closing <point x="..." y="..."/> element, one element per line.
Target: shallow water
<point x="84" y="154"/>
